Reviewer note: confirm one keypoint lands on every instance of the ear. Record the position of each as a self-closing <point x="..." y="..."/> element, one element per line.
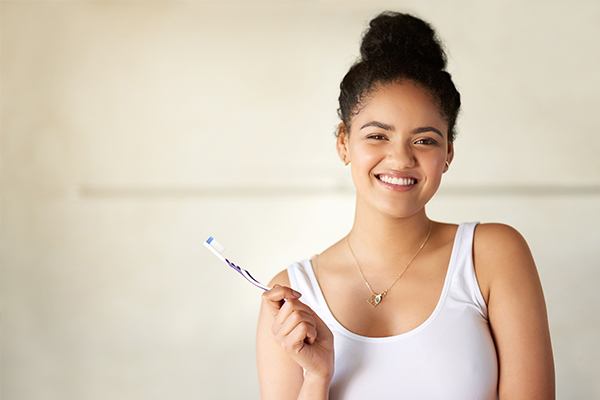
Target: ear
<point x="341" y="143"/>
<point x="449" y="156"/>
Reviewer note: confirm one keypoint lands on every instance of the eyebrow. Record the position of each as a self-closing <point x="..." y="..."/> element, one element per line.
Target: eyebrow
<point x="391" y="128"/>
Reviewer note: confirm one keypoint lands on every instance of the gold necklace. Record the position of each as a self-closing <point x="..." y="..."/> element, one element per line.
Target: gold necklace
<point x="376" y="298"/>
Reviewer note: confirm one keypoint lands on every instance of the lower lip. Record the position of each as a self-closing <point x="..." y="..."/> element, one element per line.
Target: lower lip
<point x="396" y="188"/>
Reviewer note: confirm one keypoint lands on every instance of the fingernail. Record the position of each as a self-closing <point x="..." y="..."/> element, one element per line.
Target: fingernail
<point x="296" y="294"/>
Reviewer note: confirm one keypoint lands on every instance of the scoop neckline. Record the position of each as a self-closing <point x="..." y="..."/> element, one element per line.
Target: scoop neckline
<point x="380" y="339"/>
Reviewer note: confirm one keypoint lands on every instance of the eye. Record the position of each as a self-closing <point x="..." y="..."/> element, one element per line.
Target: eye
<point x="375" y="136"/>
<point x="429" y="141"/>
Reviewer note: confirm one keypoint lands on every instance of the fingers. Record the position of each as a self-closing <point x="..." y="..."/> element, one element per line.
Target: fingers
<point x="294" y="321"/>
<point x="279" y="292"/>
<point x="288" y="307"/>
<point x="295" y="331"/>
<point x="296" y="317"/>
<point x="274" y="298"/>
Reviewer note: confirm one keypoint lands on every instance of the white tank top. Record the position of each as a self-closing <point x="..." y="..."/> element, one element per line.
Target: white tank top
<point x="450" y="356"/>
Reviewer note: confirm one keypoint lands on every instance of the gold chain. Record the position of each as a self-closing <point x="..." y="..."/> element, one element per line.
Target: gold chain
<point x="376" y="298"/>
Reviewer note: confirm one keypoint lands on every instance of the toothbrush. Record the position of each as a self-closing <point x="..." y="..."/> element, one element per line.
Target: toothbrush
<point x="217" y="249"/>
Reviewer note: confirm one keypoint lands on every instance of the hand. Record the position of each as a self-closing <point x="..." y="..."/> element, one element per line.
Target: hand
<point x="300" y="331"/>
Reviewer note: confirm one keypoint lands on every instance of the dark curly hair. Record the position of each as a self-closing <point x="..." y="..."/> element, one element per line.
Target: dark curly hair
<point x="399" y="46"/>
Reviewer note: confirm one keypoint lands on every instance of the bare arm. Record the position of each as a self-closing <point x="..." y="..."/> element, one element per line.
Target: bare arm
<point x="290" y="335"/>
<point x="517" y="314"/>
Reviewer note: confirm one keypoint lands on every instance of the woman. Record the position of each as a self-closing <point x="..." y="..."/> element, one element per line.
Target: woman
<point x="403" y="306"/>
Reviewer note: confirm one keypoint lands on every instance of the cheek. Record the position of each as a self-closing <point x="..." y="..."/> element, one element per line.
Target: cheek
<point x="434" y="161"/>
<point x="364" y="161"/>
<point x="439" y="163"/>
<point x="365" y="155"/>
<point x="364" y="165"/>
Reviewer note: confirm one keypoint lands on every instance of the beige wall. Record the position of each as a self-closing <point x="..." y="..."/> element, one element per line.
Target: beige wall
<point x="131" y="131"/>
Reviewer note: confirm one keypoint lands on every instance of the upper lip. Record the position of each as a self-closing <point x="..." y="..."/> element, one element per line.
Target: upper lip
<point x="395" y="174"/>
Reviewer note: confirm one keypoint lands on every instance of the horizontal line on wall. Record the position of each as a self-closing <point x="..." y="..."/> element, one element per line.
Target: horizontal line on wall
<point x="108" y="191"/>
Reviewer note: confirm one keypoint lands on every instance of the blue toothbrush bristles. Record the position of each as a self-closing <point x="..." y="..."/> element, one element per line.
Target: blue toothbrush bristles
<point x="215" y="248"/>
<point x="216" y="245"/>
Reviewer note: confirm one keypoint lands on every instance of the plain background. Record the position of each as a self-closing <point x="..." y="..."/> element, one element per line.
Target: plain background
<point x="131" y="131"/>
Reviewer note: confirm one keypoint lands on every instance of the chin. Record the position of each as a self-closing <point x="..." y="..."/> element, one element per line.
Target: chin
<point x="402" y="208"/>
<point x="400" y="212"/>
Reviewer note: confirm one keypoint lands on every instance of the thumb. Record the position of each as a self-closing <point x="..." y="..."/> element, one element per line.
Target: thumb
<point x="275" y="297"/>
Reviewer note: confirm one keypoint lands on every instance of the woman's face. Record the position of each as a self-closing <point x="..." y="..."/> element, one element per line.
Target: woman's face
<point x="398" y="131"/>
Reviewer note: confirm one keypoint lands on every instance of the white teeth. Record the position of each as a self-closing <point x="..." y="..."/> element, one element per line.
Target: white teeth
<point x="397" y="181"/>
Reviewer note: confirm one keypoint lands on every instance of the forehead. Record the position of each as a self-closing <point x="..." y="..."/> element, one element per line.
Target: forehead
<point x="403" y="104"/>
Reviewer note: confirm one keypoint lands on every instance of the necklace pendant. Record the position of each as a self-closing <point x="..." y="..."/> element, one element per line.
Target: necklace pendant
<point x="375" y="299"/>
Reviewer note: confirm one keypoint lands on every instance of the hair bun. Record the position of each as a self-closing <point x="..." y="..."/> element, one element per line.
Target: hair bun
<point x="403" y="38"/>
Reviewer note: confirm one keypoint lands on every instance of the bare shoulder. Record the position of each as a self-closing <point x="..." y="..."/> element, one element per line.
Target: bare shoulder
<point x="517" y="312"/>
<point x="498" y="250"/>
<point x="496" y="236"/>
<point x="281" y="278"/>
<point x="496" y="242"/>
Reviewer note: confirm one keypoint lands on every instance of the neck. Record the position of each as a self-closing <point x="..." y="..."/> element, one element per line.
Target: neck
<point x="382" y="242"/>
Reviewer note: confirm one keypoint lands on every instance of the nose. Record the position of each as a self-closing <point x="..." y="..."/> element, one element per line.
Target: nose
<point x="402" y="154"/>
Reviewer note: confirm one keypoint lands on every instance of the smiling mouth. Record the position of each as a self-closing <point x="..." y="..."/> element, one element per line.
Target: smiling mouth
<point x="400" y="182"/>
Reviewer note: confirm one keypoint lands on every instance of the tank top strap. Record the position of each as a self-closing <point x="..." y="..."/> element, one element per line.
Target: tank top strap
<point x="464" y="287"/>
